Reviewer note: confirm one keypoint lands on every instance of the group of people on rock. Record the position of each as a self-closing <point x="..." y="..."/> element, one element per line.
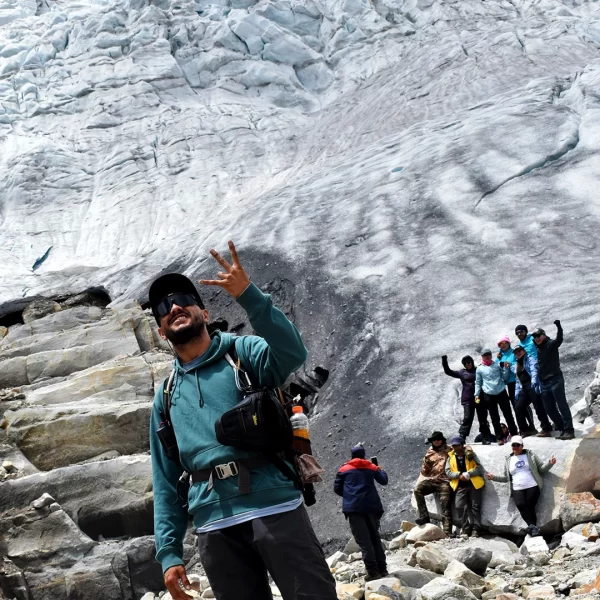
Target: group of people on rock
<point x="517" y="378"/>
<point x="454" y="472"/>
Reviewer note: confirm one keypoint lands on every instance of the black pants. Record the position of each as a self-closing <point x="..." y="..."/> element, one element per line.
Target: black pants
<point x="528" y="396"/>
<point x="469" y="411"/>
<point x="555" y="402"/>
<point x="365" y="529"/>
<point x="528" y="424"/>
<point x="492" y="403"/>
<point x="468" y="506"/>
<point x="236" y="559"/>
<point x="526" y="501"/>
<point x="432" y="486"/>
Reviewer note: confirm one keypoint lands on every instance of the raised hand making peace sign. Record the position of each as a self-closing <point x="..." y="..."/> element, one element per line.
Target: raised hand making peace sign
<point x="234" y="280"/>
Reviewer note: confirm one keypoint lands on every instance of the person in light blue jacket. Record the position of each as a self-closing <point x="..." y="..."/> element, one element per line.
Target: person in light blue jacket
<point x="526" y="340"/>
<point x="506" y="358"/>
<point x="528" y="392"/>
<point x="490" y="389"/>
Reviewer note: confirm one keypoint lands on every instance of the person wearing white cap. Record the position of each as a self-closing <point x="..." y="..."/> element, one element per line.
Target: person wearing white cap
<point x="523" y="472"/>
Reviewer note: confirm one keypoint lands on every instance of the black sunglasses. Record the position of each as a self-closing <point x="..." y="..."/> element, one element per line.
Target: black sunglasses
<point x="520" y="331"/>
<point x="516" y="445"/>
<point x="166" y="304"/>
<point x="537" y="335"/>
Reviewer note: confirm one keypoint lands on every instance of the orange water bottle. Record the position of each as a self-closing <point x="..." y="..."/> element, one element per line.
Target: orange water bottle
<point x="300" y="426"/>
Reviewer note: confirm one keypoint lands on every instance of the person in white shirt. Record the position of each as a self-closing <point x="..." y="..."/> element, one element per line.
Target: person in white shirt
<point x="523" y="471"/>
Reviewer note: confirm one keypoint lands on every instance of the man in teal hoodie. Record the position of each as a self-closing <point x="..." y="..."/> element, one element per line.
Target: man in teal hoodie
<point x="242" y="533"/>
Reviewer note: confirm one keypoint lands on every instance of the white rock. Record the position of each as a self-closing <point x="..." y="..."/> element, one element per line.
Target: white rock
<point x="539" y="591"/>
<point x="44" y="500"/>
<point x="351" y="547"/>
<point x="425" y="533"/>
<point x="398" y="542"/>
<point x="148" y="596"/>
<point x="533" y="545"/>
<point x="336" y="558"/>
<point x="8" y="466"/>
<point x="572" y="540"/>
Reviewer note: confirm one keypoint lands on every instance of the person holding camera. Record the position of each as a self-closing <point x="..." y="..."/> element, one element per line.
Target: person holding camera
<point x="552" y="381"/>
<point x="355" y="483"/>
<point x="248" y="516"/>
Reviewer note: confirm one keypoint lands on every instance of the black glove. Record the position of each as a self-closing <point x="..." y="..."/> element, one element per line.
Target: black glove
<point x="445" y="358"/>
<point x="557" y="323"/>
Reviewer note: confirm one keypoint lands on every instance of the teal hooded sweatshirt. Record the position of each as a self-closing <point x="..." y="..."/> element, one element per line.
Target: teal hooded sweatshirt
<point x="199" y="397"/>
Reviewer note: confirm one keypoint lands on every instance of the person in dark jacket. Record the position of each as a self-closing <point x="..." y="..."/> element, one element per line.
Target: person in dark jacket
<point x="528" y="392"/>
<point x="467" y="398"/>
<point x="552" y="381"/>
<point x="355" y="482"/>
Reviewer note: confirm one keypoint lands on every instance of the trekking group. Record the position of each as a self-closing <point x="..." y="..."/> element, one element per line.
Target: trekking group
<point x="224" y="451"/>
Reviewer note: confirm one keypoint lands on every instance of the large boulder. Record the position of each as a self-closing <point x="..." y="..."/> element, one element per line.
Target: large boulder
<point x="411" y="577"/>
<point x="577" y="508"/>
<point x="109" y="498"/>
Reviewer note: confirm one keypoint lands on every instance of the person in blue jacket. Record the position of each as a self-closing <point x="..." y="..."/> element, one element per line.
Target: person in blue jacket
<point x="528" y="392"/>
<point x="526" y="340"/>
<point x="248" y="516"/>
<point x="355" y="482"/>
<point x="490" y="388"/>
<point x="506" y="358"/>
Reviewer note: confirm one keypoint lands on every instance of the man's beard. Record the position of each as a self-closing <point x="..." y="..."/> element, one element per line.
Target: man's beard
<point x="185" y="335"/>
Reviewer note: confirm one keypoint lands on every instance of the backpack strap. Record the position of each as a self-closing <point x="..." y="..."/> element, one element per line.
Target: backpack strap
<point x="167" y="389"/>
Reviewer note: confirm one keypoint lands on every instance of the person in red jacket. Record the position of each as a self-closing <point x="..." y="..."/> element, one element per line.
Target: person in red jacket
<point x="355" y="482"/>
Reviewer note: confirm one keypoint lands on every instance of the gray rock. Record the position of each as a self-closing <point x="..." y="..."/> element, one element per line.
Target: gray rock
<point x="432" y="559"/>
<point x="443" y="589"/>
<point x="460" y="574"/>
<point x="44" y="500"/>
<point x="409" y="576"/>
<point x="474" y="557"/>
<point x="336" y="558"/>
<point x="387" y="586"/>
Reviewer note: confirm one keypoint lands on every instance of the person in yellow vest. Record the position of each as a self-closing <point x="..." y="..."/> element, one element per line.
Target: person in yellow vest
<point x="466" y="475"/>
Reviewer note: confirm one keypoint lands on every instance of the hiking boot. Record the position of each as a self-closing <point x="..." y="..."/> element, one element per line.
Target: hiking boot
<point x="475" y="533"/>
<point x="525" y="434"/>
<point x="534" y="530"/>
<point x="566" y="435"/>
<point x="422" y="520"/>
<point x="500" y="442"/>
<point x="485" y="442"/>
<point x="372" y="576"/>
<point x="384" y="573"/>
<point x="467" y="531"/>
<point x="544" y="434"/>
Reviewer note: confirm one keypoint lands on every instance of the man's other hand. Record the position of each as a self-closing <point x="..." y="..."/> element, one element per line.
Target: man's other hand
<point x="173" y="577"/>
<point x="233" y="279"/>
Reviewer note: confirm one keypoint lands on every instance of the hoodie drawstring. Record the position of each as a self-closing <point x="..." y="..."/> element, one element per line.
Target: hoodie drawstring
<point x="200" y="398"/>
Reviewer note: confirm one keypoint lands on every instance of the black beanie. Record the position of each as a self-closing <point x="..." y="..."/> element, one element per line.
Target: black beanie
<point x="521" y="327"/>
<point x="466" y="359"/>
